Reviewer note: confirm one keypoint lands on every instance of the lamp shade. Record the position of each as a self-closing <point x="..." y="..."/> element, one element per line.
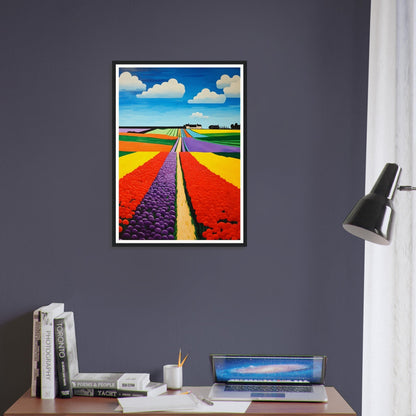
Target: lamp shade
<point x="371" y="217"/>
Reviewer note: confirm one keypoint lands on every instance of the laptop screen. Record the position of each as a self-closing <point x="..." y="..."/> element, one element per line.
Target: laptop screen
<point x="268" y="369"/>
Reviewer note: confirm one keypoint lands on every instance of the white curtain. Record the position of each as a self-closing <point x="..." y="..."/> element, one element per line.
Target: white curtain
<point x="389" y="347"/>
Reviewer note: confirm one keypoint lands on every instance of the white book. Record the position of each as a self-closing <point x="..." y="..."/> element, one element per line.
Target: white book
<point x="121" y="381"/>
<point x="47" y="349"/>
<point x="133" y="381"/>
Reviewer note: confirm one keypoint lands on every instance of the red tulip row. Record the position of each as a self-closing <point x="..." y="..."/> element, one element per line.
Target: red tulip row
<point x="215" y="202"/>
<point x="134" y="186"/>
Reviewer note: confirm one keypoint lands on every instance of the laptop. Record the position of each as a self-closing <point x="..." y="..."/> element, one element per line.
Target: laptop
<point x="268" y="378"/>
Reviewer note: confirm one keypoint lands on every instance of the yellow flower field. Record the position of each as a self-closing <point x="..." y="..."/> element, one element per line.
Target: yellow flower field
<point x="128" y="163"/>
<point x="226" y="167"/>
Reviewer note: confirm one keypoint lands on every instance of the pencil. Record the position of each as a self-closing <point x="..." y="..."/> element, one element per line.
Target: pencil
<point x="182" y="362"/>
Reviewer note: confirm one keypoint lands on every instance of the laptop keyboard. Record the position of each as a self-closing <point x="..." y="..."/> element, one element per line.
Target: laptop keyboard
<point x="269" y="388"/>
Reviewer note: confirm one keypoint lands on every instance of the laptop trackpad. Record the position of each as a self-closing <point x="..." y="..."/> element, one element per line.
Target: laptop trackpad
<point x="267" y="395"/>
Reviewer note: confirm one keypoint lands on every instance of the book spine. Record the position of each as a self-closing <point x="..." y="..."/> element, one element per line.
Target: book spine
<point x="61" y="356"/>
<point x="94" y="392"/>
<point x="105" y="392"/>
<point x="35" y="385"/>
<point x="47" y="353"/>
<point x="87" y="384"/>
<point x="134" y="382"/>
<point x="128" y="393"/>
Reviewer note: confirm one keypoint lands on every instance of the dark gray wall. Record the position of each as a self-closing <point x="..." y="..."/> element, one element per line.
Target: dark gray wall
<point x="296" y="288"/>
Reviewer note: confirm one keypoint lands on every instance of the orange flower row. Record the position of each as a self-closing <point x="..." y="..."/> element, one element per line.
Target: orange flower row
<point x="143" y="147"/>
<point x="216" y="202"/>
<point x="186" y="133"/>
<point x="154" y="136"/>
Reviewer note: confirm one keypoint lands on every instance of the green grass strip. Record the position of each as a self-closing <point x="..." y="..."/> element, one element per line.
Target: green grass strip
<point x="235" y="155"/>
<point x="120" y="153"/>
<point x="168" y="132"/>
<point x="229" y="140"/>
<point x="231" y="136"/>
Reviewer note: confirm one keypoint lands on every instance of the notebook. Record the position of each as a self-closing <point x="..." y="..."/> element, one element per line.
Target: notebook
<point x="268" y="378"/>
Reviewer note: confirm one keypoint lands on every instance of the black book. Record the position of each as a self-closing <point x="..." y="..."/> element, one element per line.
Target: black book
<point x="65" y="353"/>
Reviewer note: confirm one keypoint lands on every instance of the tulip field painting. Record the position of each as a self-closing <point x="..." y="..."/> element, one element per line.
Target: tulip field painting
<point x="179" y="153"/>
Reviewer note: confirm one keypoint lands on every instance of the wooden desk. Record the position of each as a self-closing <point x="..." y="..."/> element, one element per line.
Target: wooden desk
<point x="87" y="406"/>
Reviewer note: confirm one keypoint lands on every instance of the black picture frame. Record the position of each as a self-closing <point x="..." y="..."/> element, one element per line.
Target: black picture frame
<point x="203" y="155"/>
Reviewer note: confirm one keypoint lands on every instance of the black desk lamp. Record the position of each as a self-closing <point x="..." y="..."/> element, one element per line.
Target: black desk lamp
<point x="371" y="217"/>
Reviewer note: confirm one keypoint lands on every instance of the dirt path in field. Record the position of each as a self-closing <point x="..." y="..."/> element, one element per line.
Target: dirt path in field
<point x="184" y="226"/>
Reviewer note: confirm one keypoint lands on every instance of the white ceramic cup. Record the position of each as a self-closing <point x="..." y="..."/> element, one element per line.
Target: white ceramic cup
<point x="172" y="376"/>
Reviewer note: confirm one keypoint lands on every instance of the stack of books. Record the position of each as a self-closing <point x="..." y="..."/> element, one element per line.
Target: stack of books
<point x="55" y="370"/>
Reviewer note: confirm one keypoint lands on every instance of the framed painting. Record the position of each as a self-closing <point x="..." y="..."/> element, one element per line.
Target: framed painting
<point x="179" y="150"/>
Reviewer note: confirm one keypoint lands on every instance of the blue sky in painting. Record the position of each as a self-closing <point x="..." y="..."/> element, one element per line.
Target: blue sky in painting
<point x="174" y="96"/>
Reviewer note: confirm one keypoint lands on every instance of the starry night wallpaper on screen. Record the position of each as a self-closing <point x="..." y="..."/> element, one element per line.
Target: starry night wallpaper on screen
<point x="269" y="369"/>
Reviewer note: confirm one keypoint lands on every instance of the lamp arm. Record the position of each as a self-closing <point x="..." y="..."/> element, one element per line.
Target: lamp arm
<point x="406" y="188"/>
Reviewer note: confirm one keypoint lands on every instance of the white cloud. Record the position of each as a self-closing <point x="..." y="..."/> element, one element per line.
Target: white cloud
<point x="207" y="97"/>
<point x="128" y="82"/>
<point x="226" y="81"/>
<point x="233" y="91"/>
<point x="198" y="115"/>
<point x="170" y="89"/>
<point x="230" y="86"/>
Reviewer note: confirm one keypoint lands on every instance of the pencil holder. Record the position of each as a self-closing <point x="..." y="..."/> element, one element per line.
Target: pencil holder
<point x="172" y="376"/>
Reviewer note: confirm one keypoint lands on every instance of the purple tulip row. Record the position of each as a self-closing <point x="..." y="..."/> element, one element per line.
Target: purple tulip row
<point x="195" y="145"/>
<point x="173" y="150"/>
<point x="155" y="217"/>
